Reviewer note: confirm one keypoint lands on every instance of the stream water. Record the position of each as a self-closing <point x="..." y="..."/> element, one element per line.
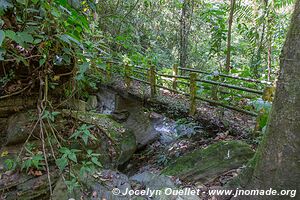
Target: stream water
<point x="157" y="136"/>
<point x="148" y="126"/>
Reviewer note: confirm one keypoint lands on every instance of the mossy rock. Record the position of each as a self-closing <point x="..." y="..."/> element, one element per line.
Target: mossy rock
<point x="25" y="187"/>
<point x="203" y="165"/>
<point x="74" y="104"/>
<point x="92" y="103"/>
<point x="16" y="104"/>
<point x="122" y="140"/>
<point x="115" y="143"/>
<point x="19" y="127"/>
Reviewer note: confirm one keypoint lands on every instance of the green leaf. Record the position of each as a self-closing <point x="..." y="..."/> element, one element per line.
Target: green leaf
<point x="62" y="163"/>
<point x="10" y="164"/>
<point x="55" y="113"/>
<point x="75" y="134"/>
<point x="36" y="161"/>
<point x="26" y="37"/>
<point x="2" y="36"/>
<point x="10" y="34"/>
<point x="42" y="61"/>
<point x="85" y="168"/>
<point x="82" y="69"/>
<point x="72" y="38"/>
<point x="96" y="162"/>
<point x="88" y="133"/>
<point x="26" y="164"/>
<point x="22" y="38"/>
<point x="55" y="13"/>
<point x="71" y="185"/>
<point x="89" y="152"/>
<point x="64" y="150"/>
<point x="37" y="41"/>
<point x="45" y="114"/>
<point x="85" y="138"/>
<point x="65" y="38"/>
<point x="69" y="38"/>
<point x="22" y="2"/>
<point x="72" y="156"/>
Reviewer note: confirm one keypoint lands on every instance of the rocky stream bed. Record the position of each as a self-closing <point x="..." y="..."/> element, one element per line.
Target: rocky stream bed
<point x="144" y="150"/>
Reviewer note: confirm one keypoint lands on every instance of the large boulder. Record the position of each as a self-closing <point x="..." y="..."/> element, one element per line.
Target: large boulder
<point x="130" y="113"/>
<point x="20" y="126"/>
<point x="137" y="120"/>
<point x="203" y="165"/>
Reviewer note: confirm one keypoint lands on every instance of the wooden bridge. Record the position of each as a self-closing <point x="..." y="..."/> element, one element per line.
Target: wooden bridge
<point x="186" y="81"/>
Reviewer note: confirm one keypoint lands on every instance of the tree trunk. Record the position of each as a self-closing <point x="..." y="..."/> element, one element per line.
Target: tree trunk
<point x="185" y="23"/>
<point x="276" y="164"/>
<point x="232" y="5"/>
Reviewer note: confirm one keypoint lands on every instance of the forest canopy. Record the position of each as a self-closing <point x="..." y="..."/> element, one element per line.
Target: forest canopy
<point x="192" y="33"/>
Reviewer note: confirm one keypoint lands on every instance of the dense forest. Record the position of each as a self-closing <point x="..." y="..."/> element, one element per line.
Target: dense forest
<point x="149" y="99"/>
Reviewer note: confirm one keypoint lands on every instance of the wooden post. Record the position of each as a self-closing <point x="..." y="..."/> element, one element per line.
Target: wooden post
<point x="193" y="89"/>
<point x="108" y="71"/>
<point x="152" y="80"/>
<point x="127" y="76"/>
<point x="175" y="73"/>
<point x="215" y="88"/>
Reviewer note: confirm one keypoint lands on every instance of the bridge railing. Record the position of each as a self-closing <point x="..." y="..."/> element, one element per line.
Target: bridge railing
<point x="190" y="82"/>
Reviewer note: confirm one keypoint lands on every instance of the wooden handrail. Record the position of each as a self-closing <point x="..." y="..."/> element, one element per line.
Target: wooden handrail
<point x="211" y="101"/>
<point x="143" y="73"/>
<point x="151" y="74"/>
<point x="227" y="76"/>
<point x="231" y="86"/>
<point x="137" y="79"/>
<point x="216" y="83"/>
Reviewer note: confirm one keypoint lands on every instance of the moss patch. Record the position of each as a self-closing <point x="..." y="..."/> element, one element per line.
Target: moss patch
<point x="205" y="164"/>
